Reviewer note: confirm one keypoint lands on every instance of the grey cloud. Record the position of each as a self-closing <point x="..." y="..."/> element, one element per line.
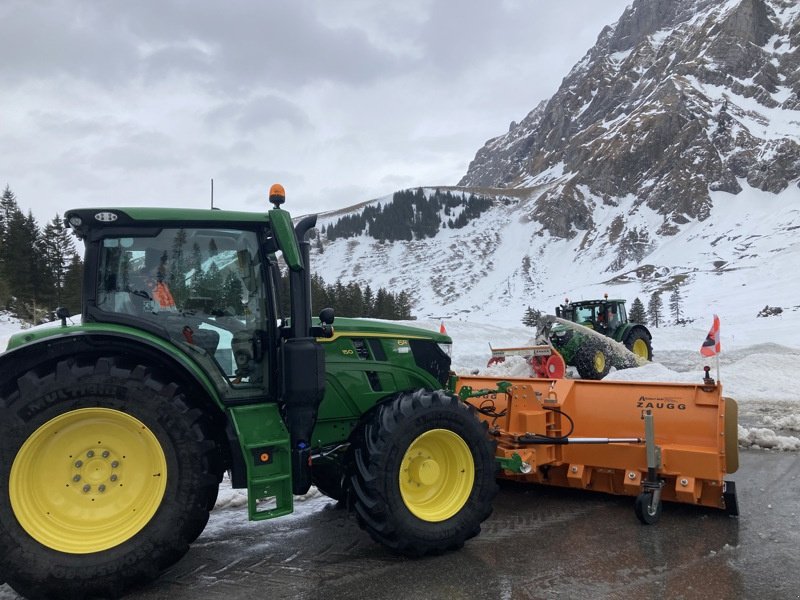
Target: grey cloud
<point x="143" y="151"/>
<point x="235" y="44"/>
<point x="258" y="113"/>
<point x="50" y="39"/>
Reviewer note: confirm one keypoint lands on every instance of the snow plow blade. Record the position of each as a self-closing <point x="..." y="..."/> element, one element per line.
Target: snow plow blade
<point x="656" y="441"/>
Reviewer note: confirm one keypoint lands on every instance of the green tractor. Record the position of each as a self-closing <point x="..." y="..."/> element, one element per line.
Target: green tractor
<point x="590" y="352"/>
<point x="115" y="432"/>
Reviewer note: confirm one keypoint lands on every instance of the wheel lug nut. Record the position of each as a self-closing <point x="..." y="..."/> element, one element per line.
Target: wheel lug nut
<point x="78" y="464"/>
<point x="87" y="488"/>
<point x="114" y="464"/>
<point x="90" y="454"/>
<point x="76" y="479"/>
<point x="113" y="478"/>
<point x="102" y="488"/>
<point x="106" y="453"/>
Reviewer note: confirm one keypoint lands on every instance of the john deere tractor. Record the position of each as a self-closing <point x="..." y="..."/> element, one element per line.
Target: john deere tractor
<point x="589" y="351"/>
<point x="116" y="430"/>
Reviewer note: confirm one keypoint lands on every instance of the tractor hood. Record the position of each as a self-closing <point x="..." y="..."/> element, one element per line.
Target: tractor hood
<point x="376" y="328"/>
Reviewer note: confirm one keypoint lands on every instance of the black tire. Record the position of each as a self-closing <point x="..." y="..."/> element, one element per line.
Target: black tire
<point x="380" y="456"/>
<point x="80" y="397"/>
<point x="645" y="512"/>
<point x="593" y="358"/>
<point x="638" y="342"/>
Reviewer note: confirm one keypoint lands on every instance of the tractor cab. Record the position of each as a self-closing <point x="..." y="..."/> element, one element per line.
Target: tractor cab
<point x="605" y="316"/>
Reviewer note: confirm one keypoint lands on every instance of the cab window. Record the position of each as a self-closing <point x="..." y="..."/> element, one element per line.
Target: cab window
<point x="202" y="286"/>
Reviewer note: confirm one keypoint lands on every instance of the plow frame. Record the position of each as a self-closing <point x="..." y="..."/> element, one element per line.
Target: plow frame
<point x="656" y="441"/>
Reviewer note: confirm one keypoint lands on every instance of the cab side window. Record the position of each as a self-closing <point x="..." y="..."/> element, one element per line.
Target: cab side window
<point x="202" y="286"/>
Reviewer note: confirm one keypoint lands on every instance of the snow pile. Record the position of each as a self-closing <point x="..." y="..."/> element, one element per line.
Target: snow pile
<point x="229" y="497"/>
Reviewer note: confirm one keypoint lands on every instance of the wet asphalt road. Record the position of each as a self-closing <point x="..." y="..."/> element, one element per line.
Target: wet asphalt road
<point x="539" y="543"/>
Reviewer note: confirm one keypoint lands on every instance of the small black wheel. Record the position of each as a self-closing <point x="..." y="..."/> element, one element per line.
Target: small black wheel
<point x="644" y="509"/>
<point x="110" y="476"/>
<point x="593" y="358"/>
<point x="424" y="473"/>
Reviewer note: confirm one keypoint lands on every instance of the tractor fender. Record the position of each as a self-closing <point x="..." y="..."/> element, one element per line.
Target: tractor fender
<point x="638" y="327"/>
<point x="44" y="349"/>
<point x="51" y="345"/>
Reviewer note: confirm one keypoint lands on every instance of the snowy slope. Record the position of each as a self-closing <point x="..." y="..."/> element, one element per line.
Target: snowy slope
<point x="734" y="263"/>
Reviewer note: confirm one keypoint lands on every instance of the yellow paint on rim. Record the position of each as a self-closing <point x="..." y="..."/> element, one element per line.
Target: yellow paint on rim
<point x="640" y="348"/>
<point x="599" y="361"/>
<point x="437" y="475"/>
<point x="87" y="480"/>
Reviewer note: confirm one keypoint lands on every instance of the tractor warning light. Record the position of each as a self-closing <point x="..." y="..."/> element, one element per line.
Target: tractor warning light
<point x="277" y="195"/>
<point x="262" y="455"/>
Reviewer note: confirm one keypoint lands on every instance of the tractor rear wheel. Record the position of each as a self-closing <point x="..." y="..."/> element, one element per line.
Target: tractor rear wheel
<point x="424" y="476"/>
<point x="110" y="476"/>
<point x="593" y="359"/>
<point x="638" y="342"/>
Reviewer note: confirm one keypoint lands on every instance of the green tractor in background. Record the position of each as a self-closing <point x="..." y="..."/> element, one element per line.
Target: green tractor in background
<point x="115" y="432"/>
<point x="589" y="351"/>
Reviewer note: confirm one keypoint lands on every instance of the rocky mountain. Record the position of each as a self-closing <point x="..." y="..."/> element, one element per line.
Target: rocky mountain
<point x="669" y="156"/>
<point x="678" y="99"/>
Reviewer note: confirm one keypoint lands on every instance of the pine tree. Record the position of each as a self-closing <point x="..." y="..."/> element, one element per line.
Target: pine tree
<point x="531" y="317"/>
<point x="58" y="248"/>
<point x="637" y="314"/>
<point x="403" y="306"/>
<point x="8" y="210"/>
<point x="73" y="283"/>
<point x="654" y="308"/>
<point x="383" y="305"/>
<point x="675" y="302"/>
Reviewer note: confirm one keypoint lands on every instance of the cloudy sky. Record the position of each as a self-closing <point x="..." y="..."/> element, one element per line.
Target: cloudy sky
<point x="142" y="103"/>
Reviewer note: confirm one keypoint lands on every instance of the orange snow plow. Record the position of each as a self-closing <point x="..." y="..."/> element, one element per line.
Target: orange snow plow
<point x="673" y="441"/>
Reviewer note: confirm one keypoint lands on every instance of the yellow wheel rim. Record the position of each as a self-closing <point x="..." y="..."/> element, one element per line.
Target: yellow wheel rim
<point x="437" y="475"/>
<point x="87" y="480"/>
<point x="599" y="362"/>
<point x="640" y="348"/>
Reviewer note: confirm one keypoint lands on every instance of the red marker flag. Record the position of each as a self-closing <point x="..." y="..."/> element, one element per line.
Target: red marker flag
<point x="712" y="345"/>
<point x="442" y="329"/>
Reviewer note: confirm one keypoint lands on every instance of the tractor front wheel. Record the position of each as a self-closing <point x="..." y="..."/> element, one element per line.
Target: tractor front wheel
<point x="110" y="476"/>
<point x="424" y="476"/>
<point x="593" y="359"/>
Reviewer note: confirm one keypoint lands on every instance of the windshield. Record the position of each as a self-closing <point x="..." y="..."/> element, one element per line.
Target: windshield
<point x="202" y="286"/>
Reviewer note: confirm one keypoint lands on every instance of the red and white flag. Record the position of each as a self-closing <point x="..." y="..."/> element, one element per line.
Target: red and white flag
<point x="712" y="346"/>
<point x="442" y="329"/>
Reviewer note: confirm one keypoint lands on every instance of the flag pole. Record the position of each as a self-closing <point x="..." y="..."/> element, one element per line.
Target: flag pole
<point x="717" y="357"/>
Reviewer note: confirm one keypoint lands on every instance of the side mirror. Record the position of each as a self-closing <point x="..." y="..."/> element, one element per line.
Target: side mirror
<point x="325" y="330"/>
<point x="326" y="316"/>
<point x="63" y="314"/>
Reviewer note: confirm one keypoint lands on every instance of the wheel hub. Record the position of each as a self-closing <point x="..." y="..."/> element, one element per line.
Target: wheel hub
<point x="599" y="361"/>
<point x="424" y="471"/>
<point x="98" y="469"/>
